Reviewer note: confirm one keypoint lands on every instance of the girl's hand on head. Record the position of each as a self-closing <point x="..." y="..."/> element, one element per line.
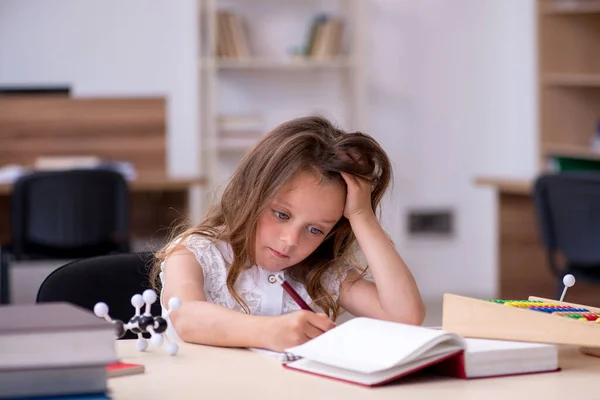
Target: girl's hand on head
<point x="358" y="196"/>
<point x="295" y="328"/>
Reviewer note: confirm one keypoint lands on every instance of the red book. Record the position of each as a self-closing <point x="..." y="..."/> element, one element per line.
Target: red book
<point x="371" y="352"/>
<point x="122" y="369"/>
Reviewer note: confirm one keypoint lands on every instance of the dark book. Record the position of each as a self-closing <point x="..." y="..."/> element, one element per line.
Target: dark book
<point x="60" y="381"/>
<point x="53" y="335"/>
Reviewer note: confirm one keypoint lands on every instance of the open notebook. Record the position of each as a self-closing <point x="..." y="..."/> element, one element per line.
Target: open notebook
<point x="372" y="352"/>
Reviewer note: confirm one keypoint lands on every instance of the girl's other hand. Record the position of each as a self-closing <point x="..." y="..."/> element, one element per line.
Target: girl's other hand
<point x="358" y="196"/>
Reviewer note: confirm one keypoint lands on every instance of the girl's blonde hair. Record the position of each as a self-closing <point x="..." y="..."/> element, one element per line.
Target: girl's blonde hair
<point x="309" y="144"/>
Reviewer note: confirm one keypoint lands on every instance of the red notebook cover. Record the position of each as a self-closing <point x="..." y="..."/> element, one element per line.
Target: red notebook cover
<point x="391" y="379"/>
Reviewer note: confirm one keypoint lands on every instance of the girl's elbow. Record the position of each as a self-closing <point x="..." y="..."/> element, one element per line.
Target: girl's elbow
<point x="418" y="317"/>
<point x="181" y="328"/>
<point x="415" y="316"/>
<point x="419" y="314"/>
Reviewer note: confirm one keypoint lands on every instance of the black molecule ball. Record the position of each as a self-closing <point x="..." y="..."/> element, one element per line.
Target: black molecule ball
<point x="134" y="321"/>
<point x="119" y="328"/>
<point x="160" y="324"/>
<point x="144" y="322"/>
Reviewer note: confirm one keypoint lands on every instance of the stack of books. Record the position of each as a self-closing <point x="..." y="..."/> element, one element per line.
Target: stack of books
<point x="232" y="40"/>
<point x="54" y="349"/>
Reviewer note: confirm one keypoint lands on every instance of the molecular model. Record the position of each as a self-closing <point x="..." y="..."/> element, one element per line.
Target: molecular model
<point x="141" y="323"/>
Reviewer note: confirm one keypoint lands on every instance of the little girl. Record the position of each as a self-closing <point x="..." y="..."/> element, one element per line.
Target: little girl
<point x="298" y="204"/>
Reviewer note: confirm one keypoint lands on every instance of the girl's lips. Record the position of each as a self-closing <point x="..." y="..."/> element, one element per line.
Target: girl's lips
<point x="278" y="254"/>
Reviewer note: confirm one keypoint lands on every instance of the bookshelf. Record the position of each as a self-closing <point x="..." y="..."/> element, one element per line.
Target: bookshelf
<point x="259" y="63"/>
<point x="568" y="91"/>
<point x="569" y="79"/>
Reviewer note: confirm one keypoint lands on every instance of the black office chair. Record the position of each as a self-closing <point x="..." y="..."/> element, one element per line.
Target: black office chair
<point x="112" y="279"/>
<point x="66" y="215"/>
<point x="568" y="211"/>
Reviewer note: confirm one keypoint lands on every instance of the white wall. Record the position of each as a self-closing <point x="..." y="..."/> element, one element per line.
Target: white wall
<point x="463" y="106"/>
<point x="106" y="48"/>
<point x="452" y="97"/>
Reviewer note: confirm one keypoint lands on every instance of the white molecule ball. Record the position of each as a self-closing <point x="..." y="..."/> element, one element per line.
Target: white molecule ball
<point x="137" y="300"/>
<point x="569" y="280"/>
<point x="174" y="303"/>
<point x="101" y="310"/>
<point x="172" y="348"/>
<point x="149" y="296"/>
<point x="157" y="340"/>
<point x="141" y="344"/>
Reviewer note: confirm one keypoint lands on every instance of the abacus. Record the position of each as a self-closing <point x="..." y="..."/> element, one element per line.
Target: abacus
<point x="537" y="319"/>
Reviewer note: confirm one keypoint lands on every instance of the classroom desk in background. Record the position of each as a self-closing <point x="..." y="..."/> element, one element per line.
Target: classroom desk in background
<point x="156" y="202"/>
<point x="523" y="269"/>
<point x="204" y="372"/>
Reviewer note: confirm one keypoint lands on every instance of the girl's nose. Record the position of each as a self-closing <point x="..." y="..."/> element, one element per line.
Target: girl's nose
<point x="290" y="237"/>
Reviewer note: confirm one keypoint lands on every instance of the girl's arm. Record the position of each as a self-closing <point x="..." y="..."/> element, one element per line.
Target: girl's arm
<point x="198" y="321"/>
<point x="394" y="295"/>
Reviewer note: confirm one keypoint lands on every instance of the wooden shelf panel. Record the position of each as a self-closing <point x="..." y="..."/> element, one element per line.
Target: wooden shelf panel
<point x="569" y="117"/>
<point x="259" y="64"/>
<point x="577" y="80"/>
<point x="568" y="45"/>
<point x="236" y="144"/>
<point x="565" y="150"/>
<point x="570" y="7"/>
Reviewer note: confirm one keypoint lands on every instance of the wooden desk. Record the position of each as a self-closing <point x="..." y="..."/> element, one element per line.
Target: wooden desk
<point x="143" y="185"/>
<point x="156" y="203"/>
<point x="522" y="263"/>
<point x="201" y="372"/>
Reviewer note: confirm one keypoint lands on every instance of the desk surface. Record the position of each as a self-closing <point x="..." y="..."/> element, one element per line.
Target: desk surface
<point x="143" y="184"/>
<point x="202" y="372"/>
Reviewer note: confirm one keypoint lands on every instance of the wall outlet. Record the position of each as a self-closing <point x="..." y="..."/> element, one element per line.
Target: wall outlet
<point x="431" y="222"/>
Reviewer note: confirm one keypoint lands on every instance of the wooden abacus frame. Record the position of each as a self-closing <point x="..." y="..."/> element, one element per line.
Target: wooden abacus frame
<point x="478" y="318"/>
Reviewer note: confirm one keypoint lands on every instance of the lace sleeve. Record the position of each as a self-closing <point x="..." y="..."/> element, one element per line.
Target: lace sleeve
<point x="332" y="279"/>
<point x="214" y="269"/>
<point x="206" y="254"/>
<point x="201" y="248"/>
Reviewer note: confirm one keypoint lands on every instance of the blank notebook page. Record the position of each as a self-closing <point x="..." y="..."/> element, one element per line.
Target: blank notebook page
<point x="368" y="345"/>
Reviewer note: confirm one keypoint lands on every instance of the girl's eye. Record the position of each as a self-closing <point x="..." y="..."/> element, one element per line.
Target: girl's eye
<point x="314" y="230"/>
<point x="281" y="215"/>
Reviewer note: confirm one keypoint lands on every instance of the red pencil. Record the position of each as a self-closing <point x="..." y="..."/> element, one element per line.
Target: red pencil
<point x="293" y="294"/>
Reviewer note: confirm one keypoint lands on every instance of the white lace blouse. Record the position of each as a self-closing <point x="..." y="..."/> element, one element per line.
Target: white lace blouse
<point x="253" y="286"/>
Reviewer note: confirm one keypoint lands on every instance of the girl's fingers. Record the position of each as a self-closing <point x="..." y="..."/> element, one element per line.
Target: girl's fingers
<point x="350" y="179"/>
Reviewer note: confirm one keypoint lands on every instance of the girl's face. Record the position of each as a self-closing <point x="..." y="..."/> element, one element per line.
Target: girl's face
<point x="297" y="221"/>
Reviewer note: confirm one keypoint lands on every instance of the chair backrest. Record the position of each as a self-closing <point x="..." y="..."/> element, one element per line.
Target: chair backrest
<point x="70" y="214"/>
<point x="112" y="279"/>
<point x="568" y="210"/>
